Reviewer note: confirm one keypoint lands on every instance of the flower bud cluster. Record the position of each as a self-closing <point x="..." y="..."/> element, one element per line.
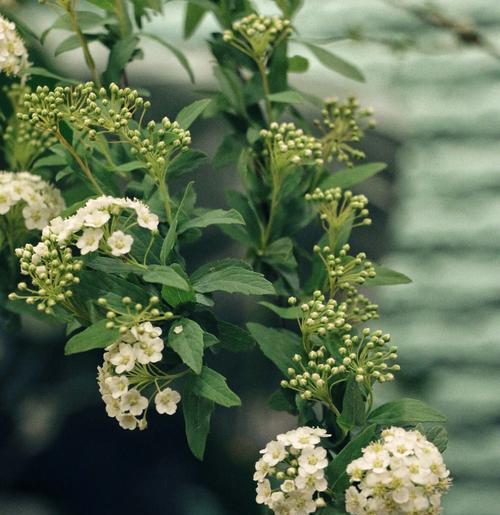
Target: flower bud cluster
<point x="321" y="317"/>
<point x="52" y="269"/>
<point x="290" y="475"/>
<point x="108" y="113"/>
<point x="127" y="314"/>
<point x="312" y="378"/>
<point x="128" y="372"/>
<point x="286" y="146"/>
<point x="257" y="35"/>
<point x="342" y="125"/>
<point x="359" y="308"/>
<point x="23" y="143"/>
<point x="367" y="357"/>
<point x="345" y="272"/>
<point x="13" y="53"/>
<point x="27" y="195"/>
<point x="400" y="473"/>
<point x="97" y="226"/>
<point x="337" y="208"/>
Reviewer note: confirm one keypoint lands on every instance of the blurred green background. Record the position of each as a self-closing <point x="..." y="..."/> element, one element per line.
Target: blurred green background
<point x="437" y="216"/>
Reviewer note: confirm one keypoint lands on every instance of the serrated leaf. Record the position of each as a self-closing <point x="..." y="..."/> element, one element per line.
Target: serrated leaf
<point x="119" y="56"/>
<point x="232" y="277"/>
<point x="177" y="53"/>
<point x="197" y="413"/>
<point x="94" y="337"/>
<point x="386" y="277"/>
<point x="349" y="177"/>
<point x="233" y="338"/>
<point x="335" y="63"/>
<point x="166" y="275"/>
<point x="405" y="412"/>
<point x="353" y="407"/>
<point x="436" y="435"/>
<point x="279" y="346"/>
<point x="213" y="217"/>
<point x="186" y="339"/>
<point x="212" y="385"/>
<point x="187" y="115"/>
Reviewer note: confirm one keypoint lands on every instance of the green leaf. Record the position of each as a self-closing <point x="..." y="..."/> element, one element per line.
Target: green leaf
<point x="387" y="277"/>
<point x="186" y="162"/>
<point x="42" y="72"/>
<point x="436" y="435"/>
<point x="177" y="53"/>
<point x="283" y="400"/>
<point x="336" y="470"/>
<point x="165" y="275"/>
<point x="278" y="345"/>
<point x="114" y="266"/>
<point x="287" y="97"/>
<point x="351" y="176"/>
<point x="174" y="296"/>
<point x="108" y="5"/>
<point x="405" y="412"/>
<point x="130" y="166"/>
<point x="233" y="338"/>
<point x="297" y="64"/>
<point x="353" y="412"/>
<point x="194" y="16"/>
<point x="70" y="43"/>
<point x="197" y="413"/>
<point x="290" y="313"/>
<point x="94" y="337"/>
<point x="212" y="385"/>
<point x="213" y="217"/>
<point x="186" y="339"/>
<point x="120" y="55"/>
<point x="187" y="115"/>
<point x="231" y="276"/>
<point x="335" y="63"/>
<point x="168" y="242"/>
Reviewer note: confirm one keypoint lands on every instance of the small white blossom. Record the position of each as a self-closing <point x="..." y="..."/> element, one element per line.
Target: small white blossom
<point x="120" y="243"/>
<point x="13" y="53"/>
<point x="166" y="401"/>
<point x="133" y="402"/>
<point x="89" y="240"/>
<point x="123" y="358"/>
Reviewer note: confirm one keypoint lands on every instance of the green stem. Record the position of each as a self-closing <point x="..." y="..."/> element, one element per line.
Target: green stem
<point x="123" y="21"/>
<point x="265" y="85"/>
<point x="85" y="169"/>
<point x="89" y="60"/>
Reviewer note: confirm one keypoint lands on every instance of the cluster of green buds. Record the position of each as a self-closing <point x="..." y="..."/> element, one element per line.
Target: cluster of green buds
<point x="127" y="314"/>
<point x="345" y="272"/>
<point x="342" y="125"/>
<point x="311" y="377"/>
<point x="287" y="147"/>
<point x="338" y="209"/>
<point x="23" y="144"/>
<point x="52" y="269"/>
<point x="366" y="357"/>
<point x="257" y="35"/>
<point x="321" y="316"/>
<point x="108" y="113"/>
<point x="359" y="308"/>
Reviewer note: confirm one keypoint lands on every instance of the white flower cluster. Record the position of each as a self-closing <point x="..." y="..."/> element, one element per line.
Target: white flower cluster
<point x="291" y="473"/>
<point x="89" y="229"/>
<point x="286" y="145"/>
<point x="127" y="371"/>
<point x="255" y="34"/>
<point x="401" y="473"/>
<point x="36" y="199"/>
<point x="13" y="53"/>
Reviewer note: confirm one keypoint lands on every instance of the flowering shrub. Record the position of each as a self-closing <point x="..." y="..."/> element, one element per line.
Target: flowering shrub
<point x="111" y="265"/>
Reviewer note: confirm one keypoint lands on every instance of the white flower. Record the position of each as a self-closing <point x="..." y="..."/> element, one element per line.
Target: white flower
<point x="262" y="469"/>
<point x="133" y="402"/>
<point x="120" y="243"/>
<point x="146" y="219"/>
<point x="148" y="350"/>
<point x="96" y="218"/>
<point x="274" y="452"/>
<point x="166" y="401"/>
<point x="264" y="492"/>
<point x="89" y="240"/>
<point x="127" y="421"/>
<point x="313" y="459"/>
<point x="400" y="473"/>
<point x="118" y="385"/>
<point x="113" y="407"/>
<point x="123" y="358"/>
<point x="314" y="481"/>
<point x="13" y="53"/>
